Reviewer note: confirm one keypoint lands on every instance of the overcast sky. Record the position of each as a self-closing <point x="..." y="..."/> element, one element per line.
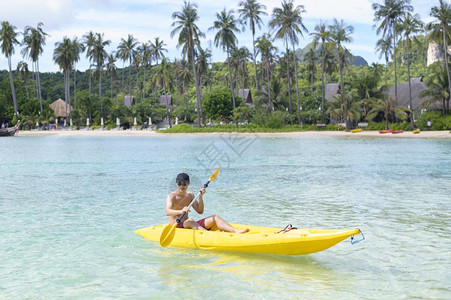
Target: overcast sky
<point x="147" y="19"/>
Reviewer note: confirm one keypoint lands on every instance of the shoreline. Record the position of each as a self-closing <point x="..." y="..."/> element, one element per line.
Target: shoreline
<point x="304" y="134"/>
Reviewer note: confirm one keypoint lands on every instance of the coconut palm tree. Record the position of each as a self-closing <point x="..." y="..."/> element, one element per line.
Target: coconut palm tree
<point x="389" y="14"/>
<point x="440" y="30"/>
<point x="287" y="23"/>
<point x="251" y="11"/>
<point x="157" y="49"/>
<point x="111" y="70"/>
<point x="410" y="25"/>
<point x="310" y="60"/>
<point x="89" y="40"/>
<point x="8" y="37"/>
<point x="22" y="68"/>
<point x="341" y="33"/>
<point x="384" y="46"/>
<point x="146" y="51"/>
<point x="125" y="52"/>
<point x="321" y="34"/>
<point x="244" y="56"/>
<point x="438" y="90"/>
<point x="267" y="52"/>
<point x="79" y="47"/>
<point x="185" y="76"/>
<point x="64" y="55"/>
<point x="388" y="107"/>
<point x="189" y="35"/>
<point x="100" y="55"/>
<point x="347" y="109"/>
<point x="226" y="25"/>
<point x="34" y="40"/>
<point x="163" y="79"/>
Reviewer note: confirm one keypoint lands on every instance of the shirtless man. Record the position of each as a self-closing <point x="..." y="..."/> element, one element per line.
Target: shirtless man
<point x="178" y="201"/>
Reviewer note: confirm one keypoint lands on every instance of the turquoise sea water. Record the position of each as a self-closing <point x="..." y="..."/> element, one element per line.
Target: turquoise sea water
<point x="69" y="205"/>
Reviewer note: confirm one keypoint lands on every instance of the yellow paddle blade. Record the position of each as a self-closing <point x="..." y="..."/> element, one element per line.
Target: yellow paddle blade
<point x="214" y="175"/>
<point x="167" y="235"/>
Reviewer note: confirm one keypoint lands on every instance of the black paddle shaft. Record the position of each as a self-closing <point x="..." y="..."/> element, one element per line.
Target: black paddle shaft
<point x="192" y="202"/>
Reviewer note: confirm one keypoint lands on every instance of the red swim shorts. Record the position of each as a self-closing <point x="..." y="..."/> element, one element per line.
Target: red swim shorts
<point x="200" y="222"/>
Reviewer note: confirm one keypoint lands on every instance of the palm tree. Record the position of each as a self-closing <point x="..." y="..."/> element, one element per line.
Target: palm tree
<point x="267" y="52"/>
<point x="384" y="46"/>
<point x="79" y="47"/>
<point x="347" y="109"/>
<point x="310" y="61"/>
<point x="388" y="107"/>
<point x="287" y="22"/>
<point x="157" y="49"/>
<point x="162" y="78"/>
<point x="225" y="37"/>
<point x="438" y="90"/>
<point x="125" y="52"/>
<point x="111" y="70"/>
<point x="389" y="14"/>
<point x="185" y="76"/>
<point x="411" y="24"/>
<point x="34" y="40"/>
<point x="146" y="51"/>
<point x="8" y="38"/>
<point x="100" y="55"/>
<point x="321" y="33"/>
<point x="441" y="28"/>
<point x="243" y="56"/>
<point x="22" y="68"/>
<point x="189" y="35"/>
<point x="341" y="33"/>
<point x="89" y="39"/>
<point x="251" y="11"/>
<point x="64" y="55"/>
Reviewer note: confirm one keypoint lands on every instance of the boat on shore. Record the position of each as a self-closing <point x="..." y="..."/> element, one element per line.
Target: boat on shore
<point x="356" y="130"/>
<point x="258" y="240"/>
<point x="10" y="131"/>
<point x="397" y="131"/>
<point x="416" y="131"/>
<point x="386" y="131"/>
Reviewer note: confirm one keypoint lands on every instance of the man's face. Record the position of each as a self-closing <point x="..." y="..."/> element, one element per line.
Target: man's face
<point x="182" y="186"/>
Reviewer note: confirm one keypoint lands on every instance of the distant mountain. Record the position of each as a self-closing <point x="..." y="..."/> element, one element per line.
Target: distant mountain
<point x="357" y="61"/>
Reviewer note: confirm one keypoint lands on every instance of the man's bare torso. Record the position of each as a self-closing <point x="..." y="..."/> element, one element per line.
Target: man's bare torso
<point x="178" y="203"/>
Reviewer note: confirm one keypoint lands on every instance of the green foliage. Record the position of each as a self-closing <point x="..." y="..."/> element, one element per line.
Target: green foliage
<point x="438" y="121"/>
<point x="218" y="105"/>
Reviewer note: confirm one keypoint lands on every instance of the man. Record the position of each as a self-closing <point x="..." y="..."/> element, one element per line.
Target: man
<point x="178" y="201"/>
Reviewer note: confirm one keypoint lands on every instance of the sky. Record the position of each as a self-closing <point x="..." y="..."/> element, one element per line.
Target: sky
<point x="148" y="19"/>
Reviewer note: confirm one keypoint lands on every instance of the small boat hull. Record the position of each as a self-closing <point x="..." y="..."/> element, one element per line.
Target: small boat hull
<point x="7" y="131"/>
<point x="356" y="130"/>
<point x="386" y="131"/>
<point x="397" y="131"/>
<point x="257" y="240"/>
<point x="416" y="131"/>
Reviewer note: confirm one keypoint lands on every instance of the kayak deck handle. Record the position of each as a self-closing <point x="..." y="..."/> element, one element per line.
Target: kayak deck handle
<point x="359" y="240"/>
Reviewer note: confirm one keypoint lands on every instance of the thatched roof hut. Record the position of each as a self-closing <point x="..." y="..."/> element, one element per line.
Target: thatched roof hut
<point x="417" y="86"/>
<point x="245" y="95"/>
<point x="129" y="101"/>
<point x="332" y="89"/>
<point x="59" y="108"/>
<point x="166" y="99"/>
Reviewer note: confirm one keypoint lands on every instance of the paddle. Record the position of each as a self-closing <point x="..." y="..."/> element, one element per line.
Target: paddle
<point x="167" y="235"/>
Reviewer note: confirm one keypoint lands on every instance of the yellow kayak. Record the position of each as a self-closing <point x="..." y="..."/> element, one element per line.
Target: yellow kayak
<point x="258" y="239"/>
<point x="356" y="130"/>
<point x="416" y="131"/>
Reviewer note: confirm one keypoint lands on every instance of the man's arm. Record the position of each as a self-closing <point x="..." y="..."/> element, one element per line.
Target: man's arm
<point x="199" y="204"/>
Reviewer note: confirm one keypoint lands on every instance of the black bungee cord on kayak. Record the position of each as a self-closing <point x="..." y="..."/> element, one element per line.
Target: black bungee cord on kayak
<point x="287" y="228"/>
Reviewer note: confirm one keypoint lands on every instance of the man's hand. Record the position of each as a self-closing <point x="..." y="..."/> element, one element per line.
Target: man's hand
<point x="185" y="209"/>
<point x="202" y="190"/>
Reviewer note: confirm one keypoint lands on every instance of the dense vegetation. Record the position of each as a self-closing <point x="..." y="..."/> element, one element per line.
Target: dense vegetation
<point x="287" y="89"/>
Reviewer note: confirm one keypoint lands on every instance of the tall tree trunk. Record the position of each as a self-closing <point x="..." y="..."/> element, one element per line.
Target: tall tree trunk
<point x="167" y="105"/>
<point x="412" y="124"/>
<point x="343" y="98"/>
<point x="68" y="94"/>
<point x="289" y="87"/>
<point x="111" y="88"/>
<point x="13" y="90"/>
<point x="65" y="93"/>
<point x="396" y="79"/>
<point x="100" y="92"/>
<point x="39" y="85"/>
<point x="269" y="88"/>
<point x="297" y="85"/>
<point x="130" y="78"/>
<point x="445" y="59"/>
<point x="230" y="77"/>
<point x="198" y="102"/>
<point x="75" y="86"/>
<point x="323" y="87"/>
<point x="255" y="63"/>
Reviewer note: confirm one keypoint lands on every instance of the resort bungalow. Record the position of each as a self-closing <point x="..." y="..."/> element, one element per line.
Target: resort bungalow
<point x="129" y="101"/>
<point x="166" y="99"/>
<point x="59" y="108"/>
<point x="417" y="86"/>
<point x="246" y="96"/>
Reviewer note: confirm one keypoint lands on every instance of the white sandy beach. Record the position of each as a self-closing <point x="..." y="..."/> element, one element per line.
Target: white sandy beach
<point x="306" y="134"/>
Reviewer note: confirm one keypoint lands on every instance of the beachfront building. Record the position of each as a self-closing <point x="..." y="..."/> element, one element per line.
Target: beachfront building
<point x="246" y="95"/>
<point x="59" y="109"/>
<point x="129" y="101"/>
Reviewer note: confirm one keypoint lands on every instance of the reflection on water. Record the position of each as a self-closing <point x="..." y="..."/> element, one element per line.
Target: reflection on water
<point x="69" y="206"/>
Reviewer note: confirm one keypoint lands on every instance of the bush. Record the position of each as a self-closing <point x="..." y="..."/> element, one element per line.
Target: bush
<point x="274" y="122"/>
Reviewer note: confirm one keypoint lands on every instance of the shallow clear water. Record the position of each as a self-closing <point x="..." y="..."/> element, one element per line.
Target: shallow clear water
<point x="69" y="205"/>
